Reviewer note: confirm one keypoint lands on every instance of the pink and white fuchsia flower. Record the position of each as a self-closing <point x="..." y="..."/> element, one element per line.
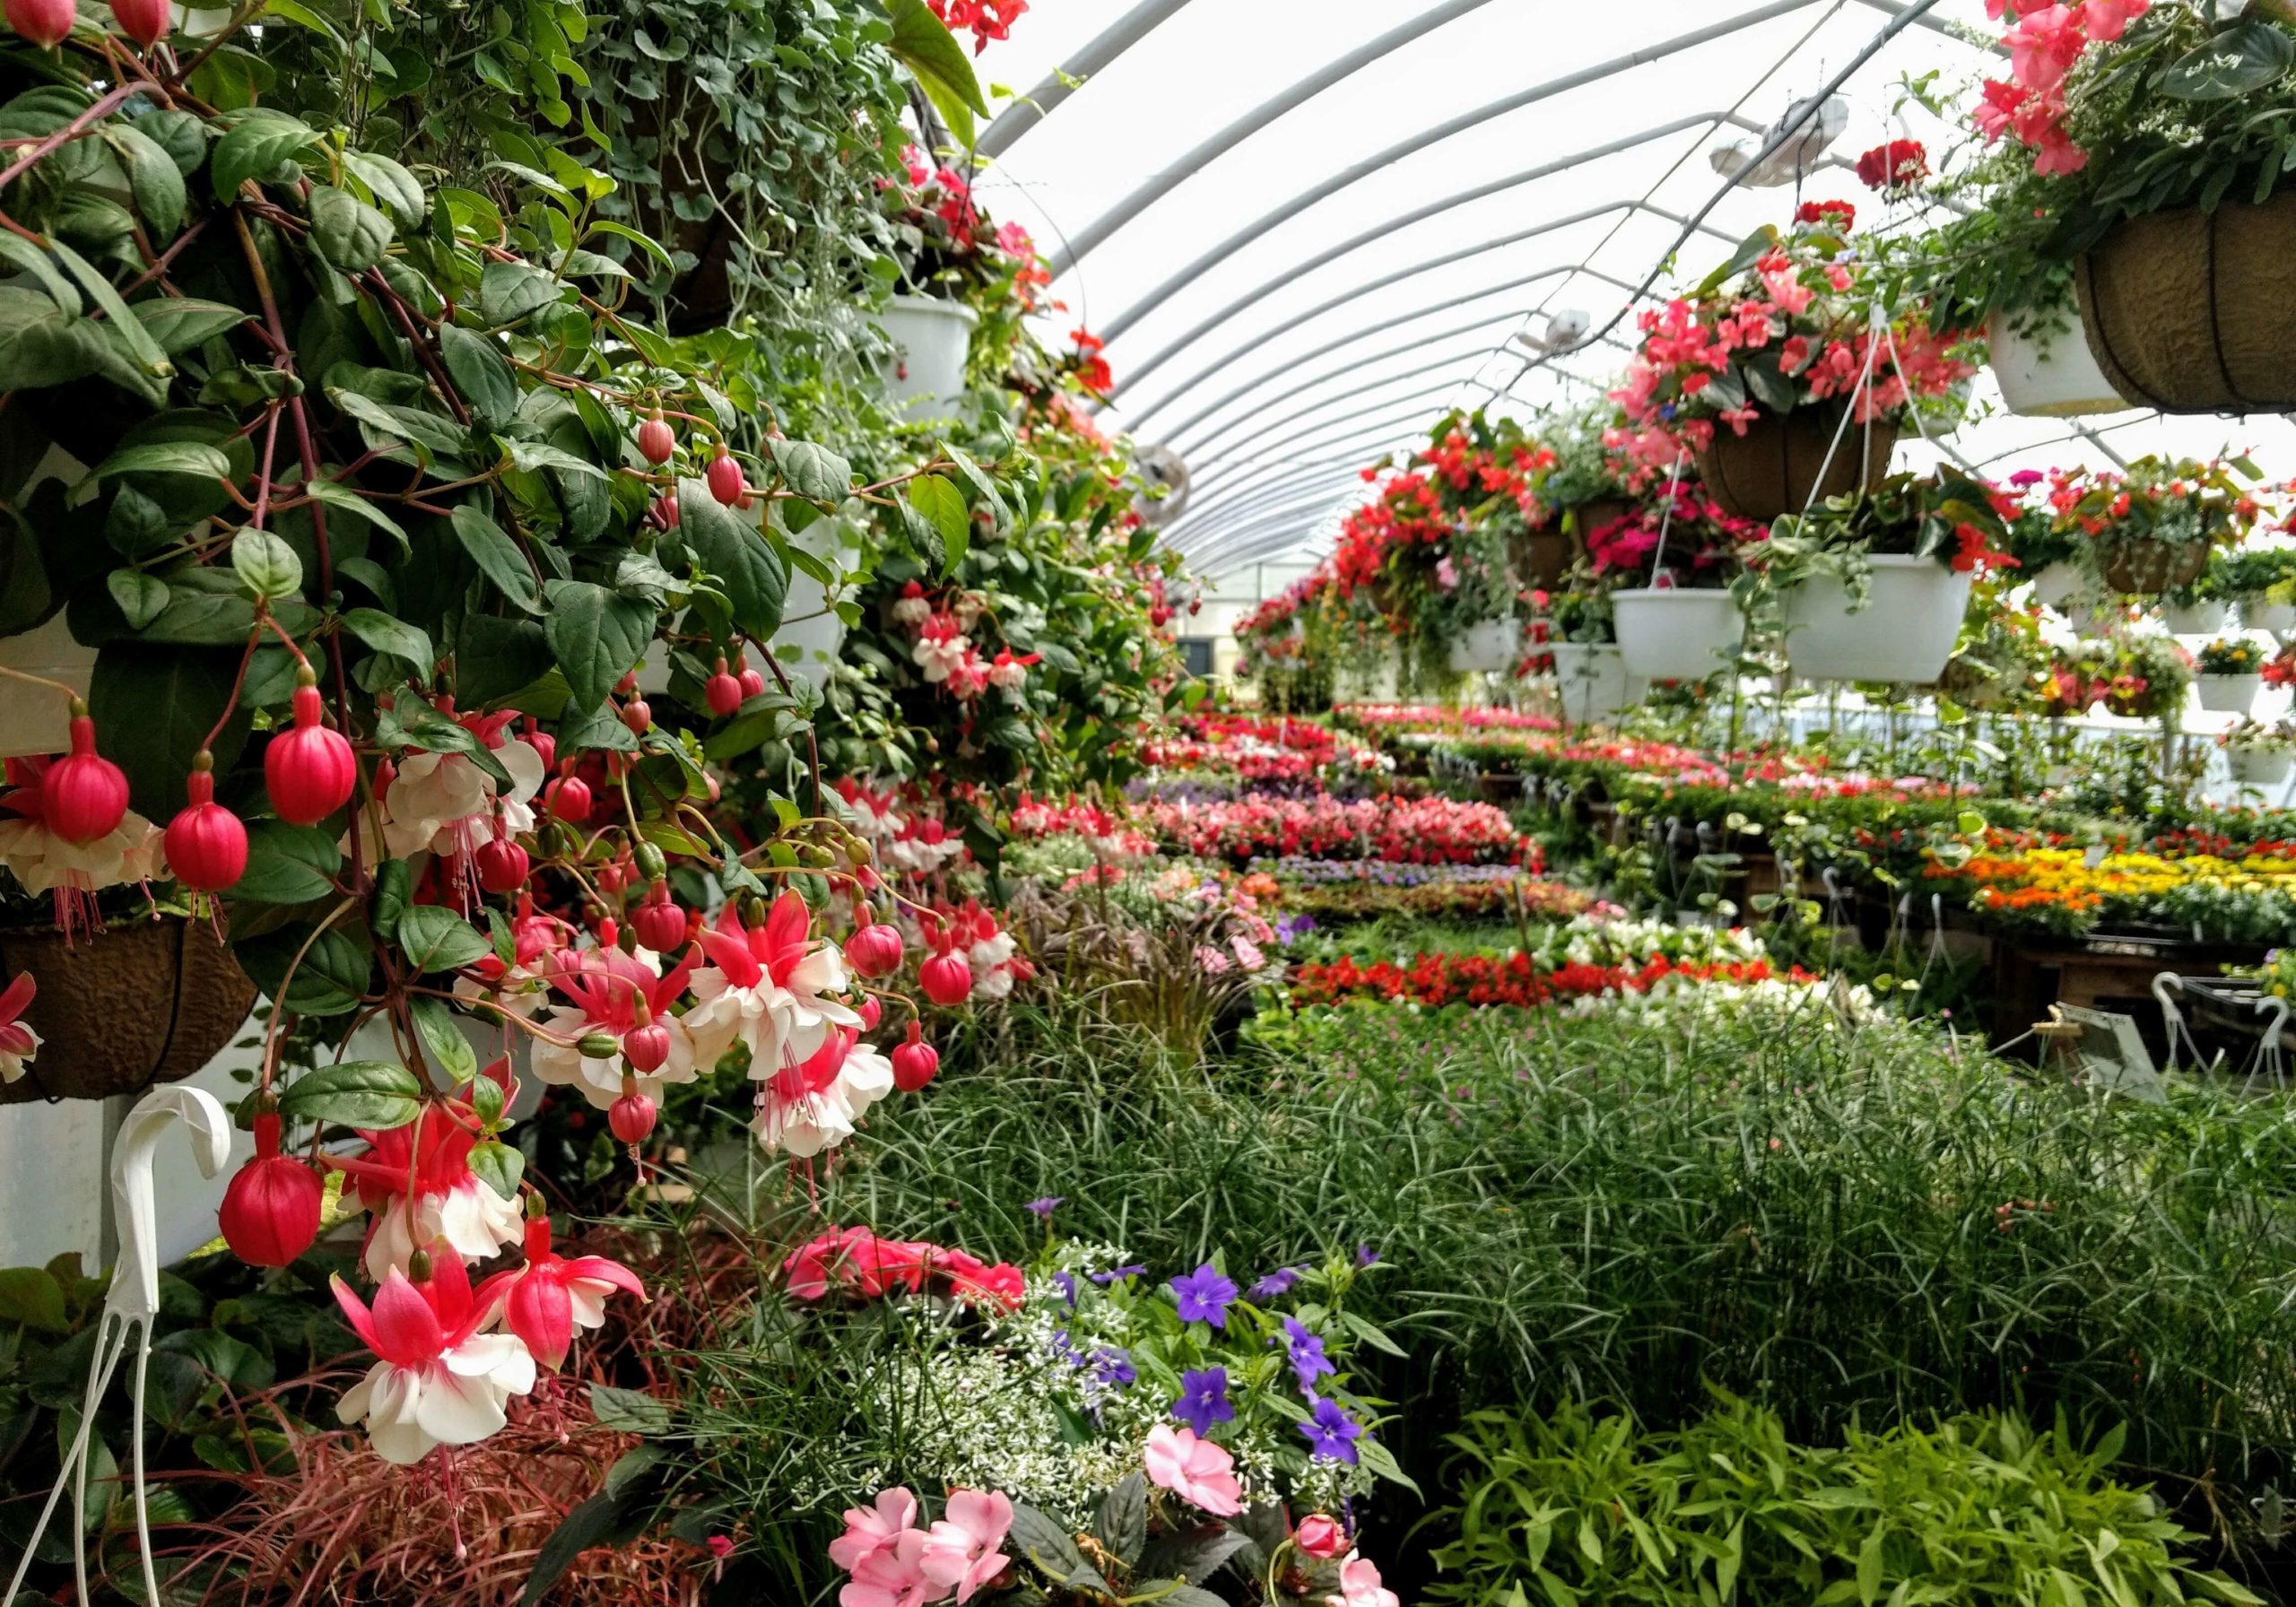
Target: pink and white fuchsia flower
<point x="604" y="989"/>
<point x="767" y="987"/>
<point x="913" y="608"/>
<point x="941" y="649"/>
<point x="438" y="1380"/>
<point x="804" y="1109"/>
<point x="451" y="1206"/>
<point x="19" y="1043"/>
<point x="445" y="802"/>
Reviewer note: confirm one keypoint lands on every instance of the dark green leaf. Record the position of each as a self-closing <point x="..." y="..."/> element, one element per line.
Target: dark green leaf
<point x="343" y="500"/>
<point x="31" y="1296"/>
<point x="1121" y="1524"/>
<point x="41" y="343"/>
<point x="596" y="636"/>
<point x="195" y="458"/>
<point x="385" y="634"/>
<point x="815" y="473"/>
<point x="498" y="557"/>
<point x="254" y="148"/>
<point x="495" y="657"/>
<point x="982" y="483"/>
<point x="509" y="292"/>
<point x="479" y="370"/>
<point x="265" y="565"/>
<point x="443" y="1040"/>
<point x="590" y="1523"/>
<point x="628" y="1410"/>
<point x="926" y="47"/>
<point x="140" y="597"/>
<point x="394" y="189"/>
<point x="372" y="1094"/>
<point x="180" y="323"/>
<point x="2230" y="63"/>
<point x="749" y="568"/>
<point x="351" y="235"/>
<point x="393" y="887"/>
<point x="287" y="865"/>
<point x="152" y="178"/>
<point x="435" y="939"/>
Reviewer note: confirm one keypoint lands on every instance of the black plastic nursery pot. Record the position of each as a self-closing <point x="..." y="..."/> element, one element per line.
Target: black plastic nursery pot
<point x="121" y="1009"/>
<point x="1784" y="463"/>
<point x="2187" y="311"/>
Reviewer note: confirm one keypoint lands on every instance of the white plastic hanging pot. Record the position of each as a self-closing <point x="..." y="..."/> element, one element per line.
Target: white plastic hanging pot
<point x="2279" y="618"/>
<point x="2057" y="584"/>
<point x="2195" y="618"/>
<point x="810" y="634"/>
<point x="32" y="720"/>
<point x="1905" y="633"/>
<point x="927" y="376"/>
<point x="2227" y="694"/>
<point x="1673" y="634"/>
<point x="2060" y="380"/>
<point x="1592" y="679"/>
<point x="1493" y="645"/>
<point x="2258" y="766"/>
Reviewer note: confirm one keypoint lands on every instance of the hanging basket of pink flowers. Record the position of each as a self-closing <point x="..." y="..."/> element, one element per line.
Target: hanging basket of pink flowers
<point x="1780" y="380"/>
<point x="2157" y="140"/>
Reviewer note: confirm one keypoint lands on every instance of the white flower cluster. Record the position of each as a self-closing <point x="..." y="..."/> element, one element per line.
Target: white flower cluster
<point x="1601" y="939"/>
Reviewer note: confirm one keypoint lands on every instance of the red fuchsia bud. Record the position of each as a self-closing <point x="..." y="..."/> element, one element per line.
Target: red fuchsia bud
<point x="44" y="23"/>
<point x="1320" y="1536"/>
<point x="876" y="949"/>
<point x="569" y="799"/>
<point x="656" y="443"/>
<point x="270" y="1211"/>
<point x="871" y="1012"/>
<point x="946" y="979"/>
<point x="752" y="682"/>
<point x="502" y="865"/>
<point x="609" y="934"/>
<point x="914" y="1062"/>
<point x="627" y="687"/>
<point x="631" y="1117"/>
<point x="660" y="924"/>
<point x="724" y="693"/>
<point x="83" y="795"/>
<point x="542" y="742"/>
<point x="612" y="878"/>
<point x="309" y="770"/>
<point x="143" y="21"/>
<point x="665" y="511"/>
<point x="207" y="846"/>
<point x="646" y="1047"/>
<point x="725" y="477"/>
<point x="638" y="716"/>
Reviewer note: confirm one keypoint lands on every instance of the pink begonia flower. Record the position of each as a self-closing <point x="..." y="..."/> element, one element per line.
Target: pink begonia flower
<point x="869" y="1530"/>
<point x="1198" y="1471"/>
<point x="1999" y="103"/>
<point x="1359" y="1586"/>
<point x="893" y="1575"/>
<point x="2043" y="47"/>
<point x="2107" y="19"/>
<point x="961" y="1553"/>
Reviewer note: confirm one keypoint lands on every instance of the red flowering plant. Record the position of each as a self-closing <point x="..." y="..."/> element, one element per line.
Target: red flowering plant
<point x="946" y="246"/>
<point x="2158" y="518"/>
<point x="1677" y="536"/>
<point x="1789" y="322"/>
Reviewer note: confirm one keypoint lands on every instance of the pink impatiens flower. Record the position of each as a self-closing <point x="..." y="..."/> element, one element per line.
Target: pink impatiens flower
<point x="961" y="1551"/>
<point x="1359" y="1586"/>
<point x="1198" y="1471"/>
<point x="871" y="1529"/>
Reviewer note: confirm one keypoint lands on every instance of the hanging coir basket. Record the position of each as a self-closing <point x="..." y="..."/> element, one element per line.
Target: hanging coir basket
<point x="143" y="1003"/>
<point x="2143" y="565"/>
<point x="1542" y="557"/>
<point x="1781" y="464"/>
<point x="2187" y="310"/>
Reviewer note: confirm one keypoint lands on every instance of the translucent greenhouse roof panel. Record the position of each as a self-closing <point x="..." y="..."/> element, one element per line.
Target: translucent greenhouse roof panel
<point x="1309" y="228"/>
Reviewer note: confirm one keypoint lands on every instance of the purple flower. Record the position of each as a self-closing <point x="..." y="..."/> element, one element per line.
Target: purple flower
<point x="1065" y="1283"/>
<point x="1329" y="1431"/>
<point x="1066" y="1349"/>
<point x="1365" y="1255"/>
<point x="1203" y="1399"/>
<point x="1116" y="1275"/>
<point x="1115" y="1367"/>
<point x="1043" y="1208"/>
<point x="1205" y="1296"/>
<point x="1277" y="1282"/>
<point x="1305" y="1351"/>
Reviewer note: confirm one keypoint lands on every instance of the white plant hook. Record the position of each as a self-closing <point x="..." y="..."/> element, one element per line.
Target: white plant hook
<point x="133" y="1300"/>
<point x="2269" y="1057"/>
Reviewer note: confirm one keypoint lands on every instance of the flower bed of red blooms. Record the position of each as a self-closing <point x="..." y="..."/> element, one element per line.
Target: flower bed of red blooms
<point x="1477" y="979"/>
<point x="1410" y="830"/>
